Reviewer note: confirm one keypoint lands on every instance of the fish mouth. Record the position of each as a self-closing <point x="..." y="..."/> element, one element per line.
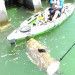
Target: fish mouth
<point x="52" y="69"/>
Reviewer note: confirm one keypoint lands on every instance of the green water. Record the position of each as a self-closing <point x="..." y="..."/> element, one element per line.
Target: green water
<point x="14" y="61"/>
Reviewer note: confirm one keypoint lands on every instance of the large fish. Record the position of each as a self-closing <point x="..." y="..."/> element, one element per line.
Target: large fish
<point x="39" y="55"/>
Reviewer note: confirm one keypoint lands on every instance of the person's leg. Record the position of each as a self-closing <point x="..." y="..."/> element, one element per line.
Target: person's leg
<point x="47" y="13"/>
<point x="56" y="14"/>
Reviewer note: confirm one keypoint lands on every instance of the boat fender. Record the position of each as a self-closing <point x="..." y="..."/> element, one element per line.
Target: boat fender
<point x="25" y="28"/>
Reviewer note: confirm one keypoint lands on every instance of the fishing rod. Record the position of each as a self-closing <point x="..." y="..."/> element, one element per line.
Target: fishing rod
<point x="67" y="52"/>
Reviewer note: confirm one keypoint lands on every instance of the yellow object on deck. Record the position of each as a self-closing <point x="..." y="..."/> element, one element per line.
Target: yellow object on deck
<point x="40" y="18"/>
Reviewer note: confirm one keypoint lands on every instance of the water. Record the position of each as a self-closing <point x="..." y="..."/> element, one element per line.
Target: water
<point x="14" y="61"/>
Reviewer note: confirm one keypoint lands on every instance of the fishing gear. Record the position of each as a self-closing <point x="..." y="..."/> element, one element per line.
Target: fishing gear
<point x="66" y="52"/>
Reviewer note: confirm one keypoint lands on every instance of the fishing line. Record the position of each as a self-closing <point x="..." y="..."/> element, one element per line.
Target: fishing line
<point x="66" y="52"/>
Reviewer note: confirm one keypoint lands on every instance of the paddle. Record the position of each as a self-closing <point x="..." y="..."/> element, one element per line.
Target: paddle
<point x="66" y="52"/>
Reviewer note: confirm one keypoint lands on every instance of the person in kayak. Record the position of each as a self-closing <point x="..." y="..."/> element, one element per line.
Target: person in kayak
<point x="56" y="8"/>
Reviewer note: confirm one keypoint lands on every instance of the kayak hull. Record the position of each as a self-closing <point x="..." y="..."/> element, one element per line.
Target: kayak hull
<point x="40" y="27"/>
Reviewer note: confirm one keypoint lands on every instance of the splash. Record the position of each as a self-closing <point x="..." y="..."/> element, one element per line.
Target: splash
<point x="4" y="55"/>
